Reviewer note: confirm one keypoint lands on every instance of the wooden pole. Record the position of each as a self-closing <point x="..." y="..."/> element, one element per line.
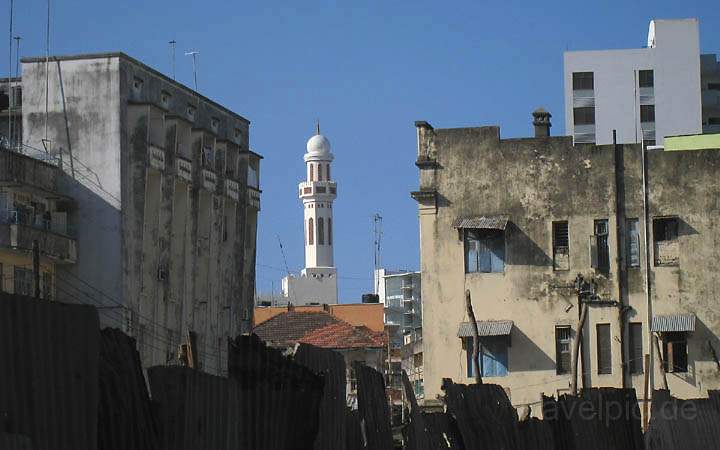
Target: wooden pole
<point x="476" y="338"/>
<point x="36" y="267"/>
<point x="660" y="361"/>
<point x="645" y="392"/>
<point x="576" y="349"/>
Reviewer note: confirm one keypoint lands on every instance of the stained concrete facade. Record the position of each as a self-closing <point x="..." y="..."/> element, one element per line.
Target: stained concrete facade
<point x="467" y="173"/>
<point x="167" y="195"/>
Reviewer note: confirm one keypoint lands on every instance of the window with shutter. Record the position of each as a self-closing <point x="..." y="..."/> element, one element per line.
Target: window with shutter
<point x="604" y="353"/>
<point x="484" y="251"/>
<point x="562" y="349"/>
<point x="675" y="352"/>
<point x="561" y="246"/>
<point x="636" y="348"/>
<point x="492" y="358"/>
<point x="601" y="245"/>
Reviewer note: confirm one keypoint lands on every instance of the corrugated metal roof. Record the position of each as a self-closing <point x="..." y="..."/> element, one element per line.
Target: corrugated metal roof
<point x="482" y="222"/>
<point x="675" y="322"/>
<point x="487" y="328"/>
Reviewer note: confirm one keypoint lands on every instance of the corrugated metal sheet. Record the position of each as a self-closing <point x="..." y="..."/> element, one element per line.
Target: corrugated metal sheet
<point x="416" y="432"/>
<point x="14" y="442"/>
<point x="598" y="419"/>
<point x="373" y="408"/>
<point x="683" y="424"/>
<point x="49" y="372"/>
<point x="126" y="420"/>
<point x="330" y="365"/>
<point x="482" y="222"/>
<point x="487" y="328"/>
<point x="675" y="322"/>
<point x="484" y="415"/>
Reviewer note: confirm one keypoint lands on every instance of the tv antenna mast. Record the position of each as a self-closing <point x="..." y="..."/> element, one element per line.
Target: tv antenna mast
<point x="194" y="54"/>
<point x="287" y="269"/>
<point x="377" y="237"/>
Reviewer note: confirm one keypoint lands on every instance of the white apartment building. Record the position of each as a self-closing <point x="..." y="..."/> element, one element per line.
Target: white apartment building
<point x="645" y="93"/>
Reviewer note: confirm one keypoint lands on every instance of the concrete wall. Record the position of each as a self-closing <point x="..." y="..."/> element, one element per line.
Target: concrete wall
<point x="166" y="222"/>
<point x="675" y="60"/>
<point x="472" y="172"/>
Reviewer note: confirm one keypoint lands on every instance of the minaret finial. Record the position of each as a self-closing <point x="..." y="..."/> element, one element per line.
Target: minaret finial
<point x="317" y="127"/>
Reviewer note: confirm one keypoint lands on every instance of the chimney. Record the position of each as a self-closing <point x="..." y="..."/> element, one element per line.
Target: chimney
<point x="541" y="121"/>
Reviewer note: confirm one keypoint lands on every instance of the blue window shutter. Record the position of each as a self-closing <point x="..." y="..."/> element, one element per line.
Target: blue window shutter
<point x="484" y="256"/>
<point x="470" y="366"/>
<point x="497" y="243"/>
<point x="494" y="357"/>
<point x="471" y="255"/>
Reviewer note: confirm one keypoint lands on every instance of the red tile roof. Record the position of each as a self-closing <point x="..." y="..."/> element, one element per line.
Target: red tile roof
<point x="317" y="328"/>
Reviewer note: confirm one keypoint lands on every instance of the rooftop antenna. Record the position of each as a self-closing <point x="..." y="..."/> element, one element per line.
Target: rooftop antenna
<point x="287" y="270"/>
<point x="47" y="68"/>
<point x="194" y="54"/>
<point x="12" y="4"/>
<point x="172" y="56"/>
<point x="377" y="237"/>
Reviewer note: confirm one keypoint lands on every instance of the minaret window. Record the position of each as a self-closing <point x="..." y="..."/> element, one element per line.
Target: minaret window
<point x="321" y="231"/>
<point x="329" y="230"/>
<point x="311" y="234"/>
<point x="320" y="172"/>
<point x="312" y="173"/>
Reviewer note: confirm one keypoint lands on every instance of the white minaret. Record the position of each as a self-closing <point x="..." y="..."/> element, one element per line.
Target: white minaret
<point x="317" y="193"/>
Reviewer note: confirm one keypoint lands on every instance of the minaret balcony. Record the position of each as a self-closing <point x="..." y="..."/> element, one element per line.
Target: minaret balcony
<point x="326" y="190"/>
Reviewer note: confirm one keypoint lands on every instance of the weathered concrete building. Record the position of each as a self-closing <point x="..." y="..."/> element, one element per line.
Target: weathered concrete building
<point x="514" y="221"/>
<point x="167" y="197"/>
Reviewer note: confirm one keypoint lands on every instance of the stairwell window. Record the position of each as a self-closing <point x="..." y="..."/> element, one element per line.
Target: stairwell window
<point x="583" y="81"/>
<point x="484" y="250"/>
<point x="646" y="78"/>
<point x="604" y="351"/>
<point x="647" y="113"/>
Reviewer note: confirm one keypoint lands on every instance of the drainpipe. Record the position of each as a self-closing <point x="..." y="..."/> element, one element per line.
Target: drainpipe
<point x="648" y="286"/>
<point x="619" y="161"/>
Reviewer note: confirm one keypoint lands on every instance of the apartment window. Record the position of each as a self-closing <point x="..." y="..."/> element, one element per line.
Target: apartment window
<point x="23" y="280"/>
<point x="311" y="235"/>
<point x="599" y="250"/>
<point x="330" y="236"/>
<point x="646" y="78"/>
<point x="635" y="345"/>
<point x="562" y="350"/>
<point x="633" y="243"/>
<point x="604" y="352"/>
<point x="484" y="250"/>
<point x="665" y="236"/>
<point x="584" y="115"/>
<point x="321" y="231"/>
<point x="675" y="352"/>
<point x="583" y="81"/>
<point x="492" y="357"/>
<point x="561" y="245"/>
<point x="647" y="113"/>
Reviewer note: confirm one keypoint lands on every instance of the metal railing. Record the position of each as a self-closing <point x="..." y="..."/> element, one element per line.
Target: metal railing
<point x="29" y="219"/>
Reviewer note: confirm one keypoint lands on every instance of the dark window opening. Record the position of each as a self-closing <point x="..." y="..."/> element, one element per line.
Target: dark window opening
<point x="583" y="81"/>
<point x="562" y="350"/>
<point x="714" y="86"/>
<point x="646" y="78"/>
<point x="647" y="113"/>
<point x="311" y="233"/>
<point x="675" y="352"/>
<point x="599" y="249"/>
<point x="484" y="250"/>
<point x="713" y="120"/>
<point x="635" y="345"/>
<point x="584" y="115"/>
<point x="665" y="236"/>
<point x="604" y="351"/>
<point x="561" y="245"/>
<point x="492" y="357"/>
<point x="633" y="243"/>
<point x="321" y="231"/>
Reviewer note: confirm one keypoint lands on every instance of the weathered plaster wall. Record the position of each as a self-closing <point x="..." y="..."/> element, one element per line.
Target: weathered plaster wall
<point x="535" y="182"/>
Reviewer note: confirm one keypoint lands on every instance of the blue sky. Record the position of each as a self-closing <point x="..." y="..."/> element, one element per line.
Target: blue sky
<point x="367" y="70"/>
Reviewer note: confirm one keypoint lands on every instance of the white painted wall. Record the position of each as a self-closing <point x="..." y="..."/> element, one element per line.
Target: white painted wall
<point x="675" y="60"/>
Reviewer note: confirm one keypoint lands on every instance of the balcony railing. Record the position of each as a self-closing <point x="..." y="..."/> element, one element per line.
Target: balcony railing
<point x="28" y="219"/>
<point x="16" y="234"/>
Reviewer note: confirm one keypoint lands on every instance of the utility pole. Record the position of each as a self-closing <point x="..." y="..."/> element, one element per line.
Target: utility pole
<point x="12" y="4"/>
<point x="172" y="56"/>
<point x="36" y="267"/>
<point x="194" y="54"/>
<point x="377" y="237"/>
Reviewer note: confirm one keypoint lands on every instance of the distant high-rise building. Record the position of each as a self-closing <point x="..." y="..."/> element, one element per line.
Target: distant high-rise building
<point x="317" y="283"/>
<point x="645" y="94"/>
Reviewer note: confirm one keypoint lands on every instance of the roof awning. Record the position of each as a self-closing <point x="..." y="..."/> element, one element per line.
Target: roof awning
<point x="486" y="328"/>
<point x="675" y="322"/>
<point x="482" y="222"/>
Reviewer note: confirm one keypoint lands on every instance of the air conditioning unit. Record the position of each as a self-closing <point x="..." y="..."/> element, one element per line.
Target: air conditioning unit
<point x="162" y="274"/>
